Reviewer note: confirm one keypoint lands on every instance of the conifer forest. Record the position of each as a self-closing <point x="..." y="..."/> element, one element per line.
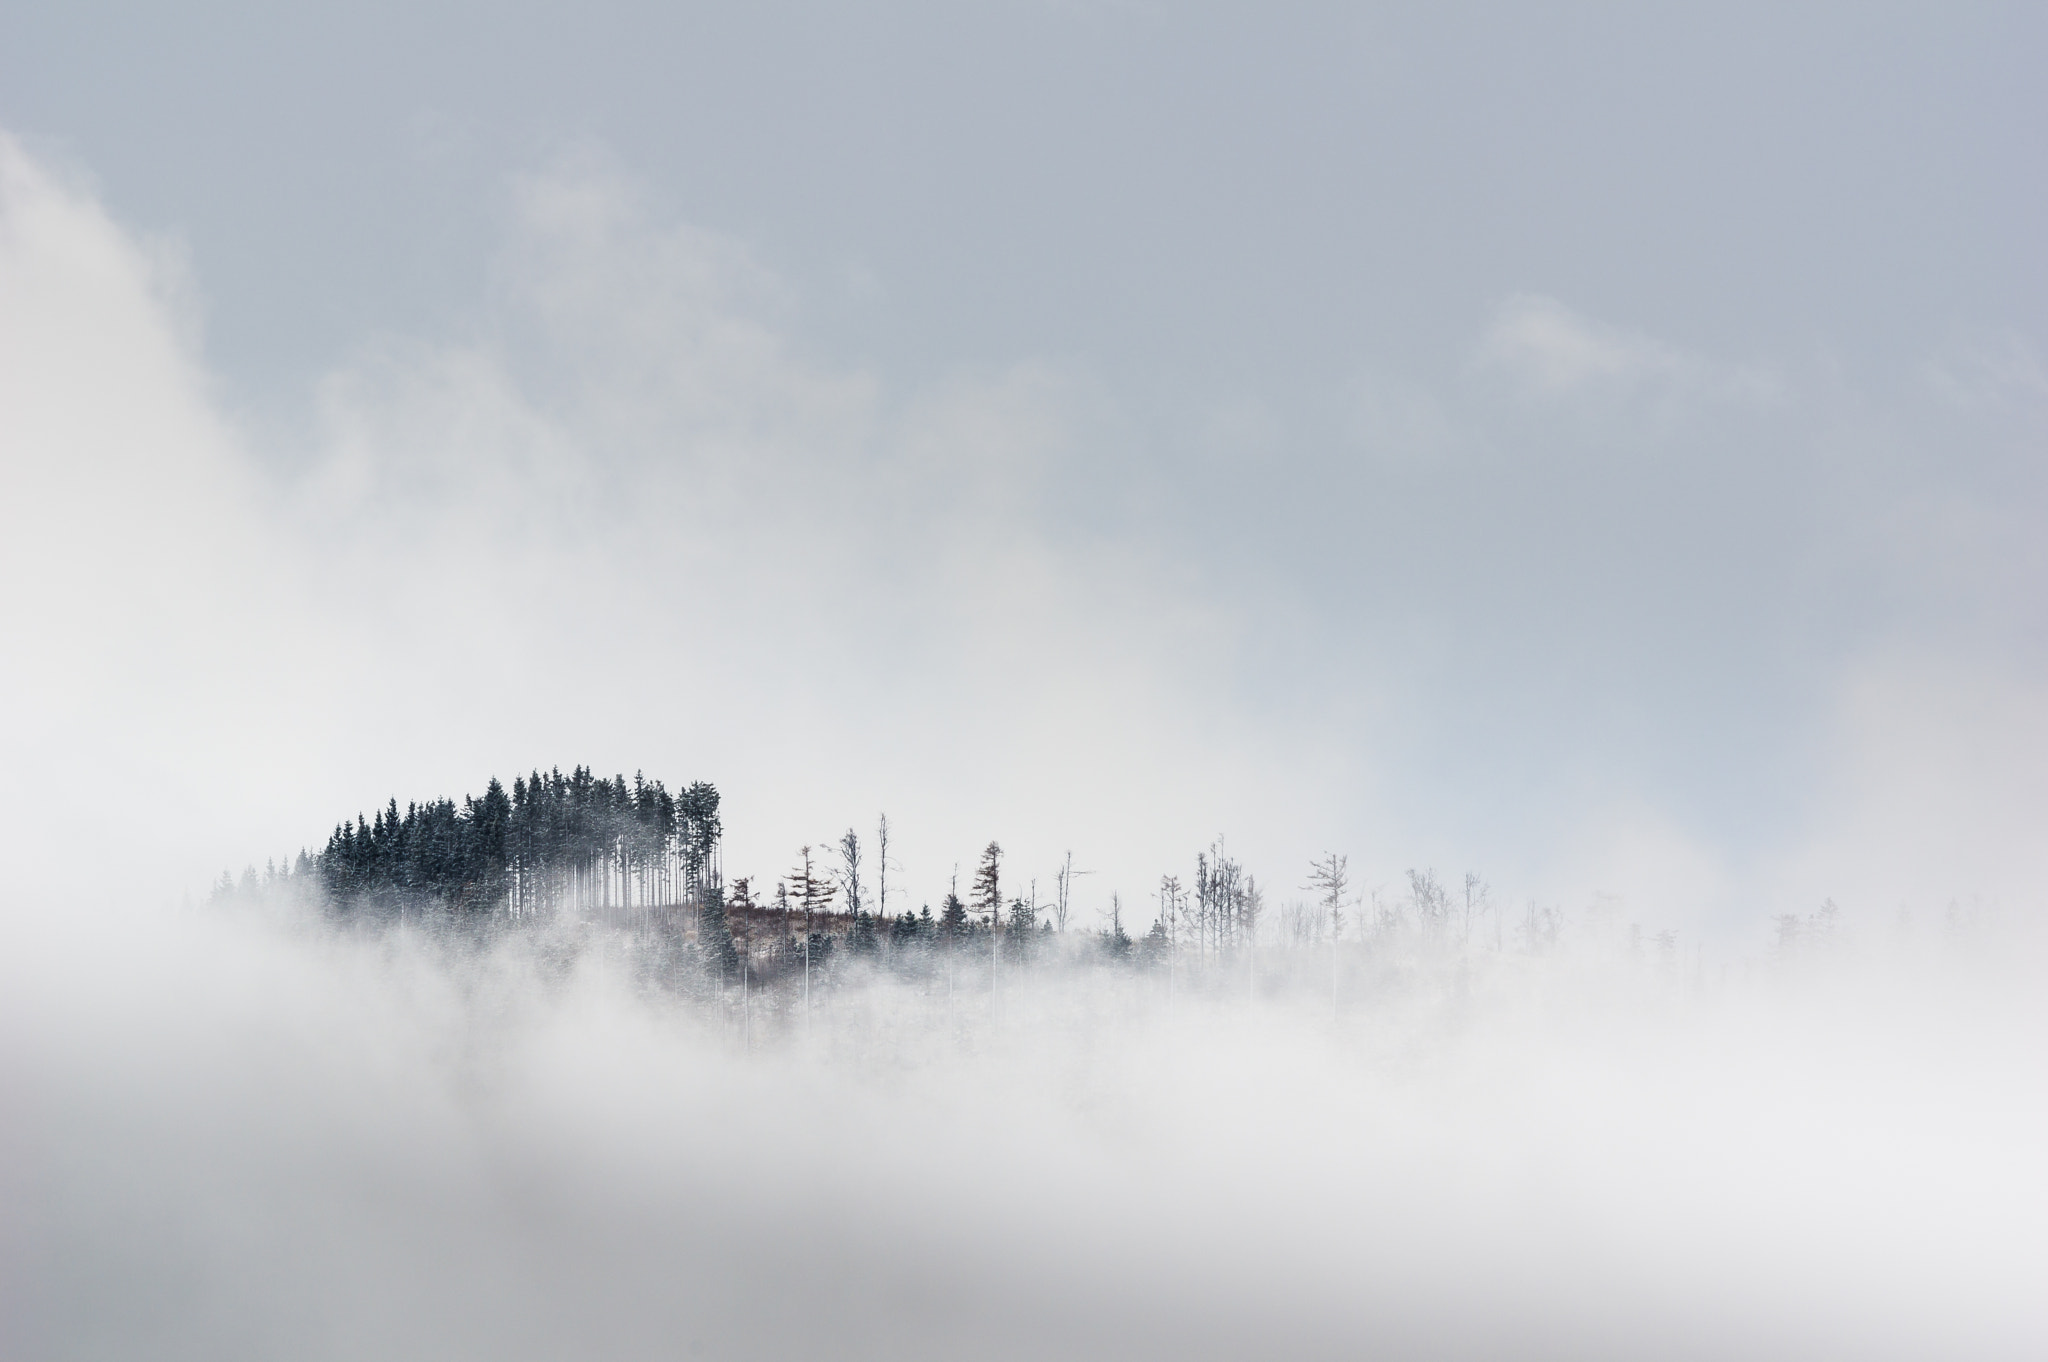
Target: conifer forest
<point x="633" y="873"/>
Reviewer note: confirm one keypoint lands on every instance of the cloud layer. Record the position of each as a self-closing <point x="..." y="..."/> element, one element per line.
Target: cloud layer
<point x="232" y="1137"/>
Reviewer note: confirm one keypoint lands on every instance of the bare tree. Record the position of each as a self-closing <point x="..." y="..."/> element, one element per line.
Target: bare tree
<point x="1302" y="922"/>
<point x="816" y="893"/>
<point x="746" y="954"/>
<point x="1251" y="907"/>
<point x="1476" y="890"/>
<point x="1169" y="910"/>
<point x="1432" y="901"/>
<point x="849" y="871"/>
<point x="882" y="866"/>
<point x="1330" y="878"/>
<point x="1065" y="881"/>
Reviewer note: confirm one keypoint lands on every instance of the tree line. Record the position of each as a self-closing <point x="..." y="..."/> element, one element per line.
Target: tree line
<point x="552" y="844"/>
<point x="581" y="846"/>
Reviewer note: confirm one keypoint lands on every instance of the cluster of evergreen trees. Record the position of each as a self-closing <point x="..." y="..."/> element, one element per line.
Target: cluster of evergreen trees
<point x="554" y="843"/>
<point x="558" y="844"/>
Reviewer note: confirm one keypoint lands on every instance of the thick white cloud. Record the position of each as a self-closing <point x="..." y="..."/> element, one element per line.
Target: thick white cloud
<point x="161" y="665"/>
<point x="229" y="1139"/>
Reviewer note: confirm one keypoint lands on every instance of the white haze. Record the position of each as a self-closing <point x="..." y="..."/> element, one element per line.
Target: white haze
<point x="619" y="512"/>
<point x="232" y="1135"/>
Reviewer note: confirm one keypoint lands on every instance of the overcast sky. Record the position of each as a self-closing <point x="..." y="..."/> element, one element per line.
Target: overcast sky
<point x="1603" y="449"/>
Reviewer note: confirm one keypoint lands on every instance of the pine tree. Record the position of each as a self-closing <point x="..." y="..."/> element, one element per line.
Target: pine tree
<point x="988" y="891"/>
<point x="952" y="919"/>
<point x="1116" y="941"/>
<point x="553" y="841"/>
<point x="814" y="892"/>
<point x="1330" y="879"/>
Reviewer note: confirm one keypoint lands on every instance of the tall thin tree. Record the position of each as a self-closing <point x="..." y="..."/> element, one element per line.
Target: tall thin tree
<point x="988" y="897"/>
<point x="1330" y="879"/>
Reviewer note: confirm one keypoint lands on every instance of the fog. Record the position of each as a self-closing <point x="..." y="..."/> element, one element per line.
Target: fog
<point x="1602" y="456"/>
<point x="241" y="1132"/>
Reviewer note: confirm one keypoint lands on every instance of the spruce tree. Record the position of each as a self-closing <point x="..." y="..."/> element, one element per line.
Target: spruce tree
<point x="952" y="924"/>
<point x="988" y="891"/>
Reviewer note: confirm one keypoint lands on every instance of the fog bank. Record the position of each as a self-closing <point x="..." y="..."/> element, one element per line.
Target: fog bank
<point x="234" y="1135"/>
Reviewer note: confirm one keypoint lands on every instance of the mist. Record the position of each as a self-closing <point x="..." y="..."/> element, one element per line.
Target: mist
<point x="242" y="1132"/>
<point x="1601" y="458"/>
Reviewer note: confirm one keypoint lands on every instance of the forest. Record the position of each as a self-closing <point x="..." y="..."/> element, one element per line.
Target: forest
<point x="632" y="853"/>
<point x="636" y="870"/>
<point x="555" y="844"/>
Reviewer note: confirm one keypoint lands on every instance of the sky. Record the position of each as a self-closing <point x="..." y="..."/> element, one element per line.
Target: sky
<point x="1600" y="449"/>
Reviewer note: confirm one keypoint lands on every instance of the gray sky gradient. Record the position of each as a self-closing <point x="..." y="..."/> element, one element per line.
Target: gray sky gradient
<point x="1600" y="448"/>
<point x="1186" y="195"/>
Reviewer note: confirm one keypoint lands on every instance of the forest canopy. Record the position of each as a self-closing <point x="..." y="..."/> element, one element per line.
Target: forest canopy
<point x="553" y="842"/>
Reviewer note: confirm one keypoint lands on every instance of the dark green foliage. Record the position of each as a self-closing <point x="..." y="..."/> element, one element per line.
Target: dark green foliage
<point x="911" y="930"/>
<point x="695" y="815"/>
<point x="553" y="841"/>
<point x="988" y="891"/>
<point x="952" y="920"/>
<point x="816" y="947"/>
